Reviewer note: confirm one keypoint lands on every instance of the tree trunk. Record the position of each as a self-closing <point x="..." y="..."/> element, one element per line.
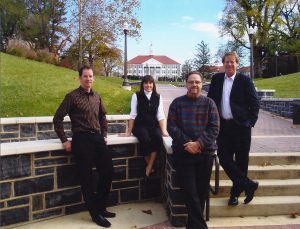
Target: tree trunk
<point x="257" y="56"/>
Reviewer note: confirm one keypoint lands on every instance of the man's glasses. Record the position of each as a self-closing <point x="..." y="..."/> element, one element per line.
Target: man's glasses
<point x="194" y="82"/>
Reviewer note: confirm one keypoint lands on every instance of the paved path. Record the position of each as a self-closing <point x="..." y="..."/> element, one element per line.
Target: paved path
<point x="270" y="134"/>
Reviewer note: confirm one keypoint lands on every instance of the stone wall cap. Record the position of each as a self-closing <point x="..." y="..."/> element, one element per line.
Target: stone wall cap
<point x="168" y="144"/>
<point x="266" y="90"/>
<point x="47" y="119"/>
<point x="15" y="148"/>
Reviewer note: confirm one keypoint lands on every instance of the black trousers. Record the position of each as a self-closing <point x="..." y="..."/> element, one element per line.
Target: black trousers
<point x="89" y="150"/>
<point x="233" y="152"/>
<point x="150" y="139"/>
<point x="193" y="180"/>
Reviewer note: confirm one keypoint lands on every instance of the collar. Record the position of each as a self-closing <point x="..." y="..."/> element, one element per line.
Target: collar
<point x="147" y="93"/>
<point x="82" y="91"/>
<point x="232" y="77"/>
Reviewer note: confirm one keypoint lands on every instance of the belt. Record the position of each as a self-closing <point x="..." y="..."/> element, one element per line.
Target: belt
<point x="89" y="132"/>
<point x="227" y="120"/>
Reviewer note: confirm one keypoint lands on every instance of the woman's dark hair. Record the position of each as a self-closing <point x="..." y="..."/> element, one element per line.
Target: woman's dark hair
<point x="145" y="79"/>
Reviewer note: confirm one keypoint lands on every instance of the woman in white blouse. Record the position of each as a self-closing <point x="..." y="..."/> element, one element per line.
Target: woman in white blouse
<point x="147" y="121"/>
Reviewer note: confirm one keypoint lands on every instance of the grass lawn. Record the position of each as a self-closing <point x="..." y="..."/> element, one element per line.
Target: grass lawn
<point x="30" y="88"/>
<point x="287" y="86"/>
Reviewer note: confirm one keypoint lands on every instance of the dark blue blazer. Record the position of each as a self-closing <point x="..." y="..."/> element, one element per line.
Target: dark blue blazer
<point x="244" y="102"/>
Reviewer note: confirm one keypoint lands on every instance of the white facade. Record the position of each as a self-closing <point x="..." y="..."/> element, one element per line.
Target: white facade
<point x="155" y="68"/>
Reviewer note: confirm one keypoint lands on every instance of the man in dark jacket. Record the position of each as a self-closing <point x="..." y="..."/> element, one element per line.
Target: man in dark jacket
<point x="238" y="105"/>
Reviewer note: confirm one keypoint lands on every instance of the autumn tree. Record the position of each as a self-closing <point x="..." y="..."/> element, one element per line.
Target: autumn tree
<point x="269" y="17"/>
<point x="102" y="21"/>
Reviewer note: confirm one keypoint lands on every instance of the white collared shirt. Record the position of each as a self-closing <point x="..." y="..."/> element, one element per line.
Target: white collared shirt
<point x="225" y="103"/>
<point x="160" y="112"/>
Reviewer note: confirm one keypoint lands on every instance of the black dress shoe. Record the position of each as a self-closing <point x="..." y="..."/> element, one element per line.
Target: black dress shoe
<point x="250" y="192"/>
<point x="108" y="214"/>
<point x="233" y="201"/>
<point x="101" y="221"/>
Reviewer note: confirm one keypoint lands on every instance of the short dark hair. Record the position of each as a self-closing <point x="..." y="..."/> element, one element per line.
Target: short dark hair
<point x="84" y="67"/>
<point x="145" y="79"/>
<point x="233" y="53"/>
<point x="191" y="73"/>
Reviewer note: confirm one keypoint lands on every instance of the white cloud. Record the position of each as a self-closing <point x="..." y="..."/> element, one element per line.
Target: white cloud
<point x="205" y="27"/>
<point x="186" y="18"/>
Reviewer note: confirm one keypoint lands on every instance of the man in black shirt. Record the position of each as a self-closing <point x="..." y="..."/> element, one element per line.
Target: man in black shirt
<point x="89" y="126"/>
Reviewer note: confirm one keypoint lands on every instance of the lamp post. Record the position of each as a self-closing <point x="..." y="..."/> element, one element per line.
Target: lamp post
<point x="276" y="56"/>
<point x="251" y="33"/>
<point x="125" y="83"/>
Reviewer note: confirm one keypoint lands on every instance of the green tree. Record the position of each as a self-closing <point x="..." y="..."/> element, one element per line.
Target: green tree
<point x="202" y="58"/>
<point x="186" y="68"/>
<point x="240" y="15"/>
<point x="46" y="24"/>
<point x="233" y="46"/>
<point x="12" y="14"/>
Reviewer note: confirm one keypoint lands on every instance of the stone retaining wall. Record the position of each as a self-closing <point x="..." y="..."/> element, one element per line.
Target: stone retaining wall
<point x="281" y="107"/>
<point x="41" y="184"/>
<point x="39" y="128"/>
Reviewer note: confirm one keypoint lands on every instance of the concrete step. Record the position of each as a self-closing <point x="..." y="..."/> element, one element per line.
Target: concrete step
<point x="282" y="158"/>
<point x="259" y="206"/>
<point x="258" y="222"/>
<point x="271" y="187"/>
<point x="268" y="172"/>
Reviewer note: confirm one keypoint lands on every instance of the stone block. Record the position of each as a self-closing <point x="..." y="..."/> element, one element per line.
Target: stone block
<point x="47" y="214"/>
<point x="59" y="153"/>
<point x="136" y="167"/>
<point x="19" y="201"/>
<point x="61" y="198"/>
<point x="42" y="171"/>
<point x="178" y="210"/>
<point x="13" y="216"/>
<point x="5" y="190"/>
<point x="131" y="194"/>
<point x="126" y="150"/>
<point x="119" y="162"/>
<point x="44" y="126"/>
<point x="113" y="198"/>
<point x="67" y="125"/>
<point x="119" y="173"/>
<point x="11" y="128"/>
<point x="8" y="135"/>
<point x="125" y="184"/>
<point x="46" y="135"/>
<point x="1" y="205"/>
<point x="75" y="208"/>
<point x="67" y="176"/>
<point x="37" y="202"/>
<point x="116" y="128"/>
<point x="41" y="154"/>
<point x="50" y="161"/>
<point x="151" y="188"/>
<point x="27" y="130"/>
<point x="34" y="185"/>
<point x="15" y="166"/>
<point x="178" y="221"/>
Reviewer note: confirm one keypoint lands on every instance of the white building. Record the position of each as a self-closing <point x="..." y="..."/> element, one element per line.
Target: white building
<point x="156" y="66"/>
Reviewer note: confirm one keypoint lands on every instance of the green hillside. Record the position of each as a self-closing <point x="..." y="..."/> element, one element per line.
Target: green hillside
<point x="287" y="86"/>
<point x="30" y="88"/>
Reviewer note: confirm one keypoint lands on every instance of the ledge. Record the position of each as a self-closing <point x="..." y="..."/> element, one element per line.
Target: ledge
<point x="168" y="144"/>
<point x="15" y="148"/>
<point x="46" y="119"/>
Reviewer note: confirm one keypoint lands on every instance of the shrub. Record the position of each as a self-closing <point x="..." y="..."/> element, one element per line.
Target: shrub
<point x="44" y="55"/>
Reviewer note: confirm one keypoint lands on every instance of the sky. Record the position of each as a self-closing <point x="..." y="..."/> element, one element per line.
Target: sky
<point x="175" y="27"/>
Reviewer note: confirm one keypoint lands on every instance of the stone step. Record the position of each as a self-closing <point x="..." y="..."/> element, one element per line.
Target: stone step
<point x="268" y="172"/>
<point x="281" y="158"/>
<point x="259" y="206"/>
<point x="272" y="187"/>
<point x="259" y="222"/>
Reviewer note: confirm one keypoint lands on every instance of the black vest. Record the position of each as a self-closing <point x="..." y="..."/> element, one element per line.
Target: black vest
<point x="146" y="109"/>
